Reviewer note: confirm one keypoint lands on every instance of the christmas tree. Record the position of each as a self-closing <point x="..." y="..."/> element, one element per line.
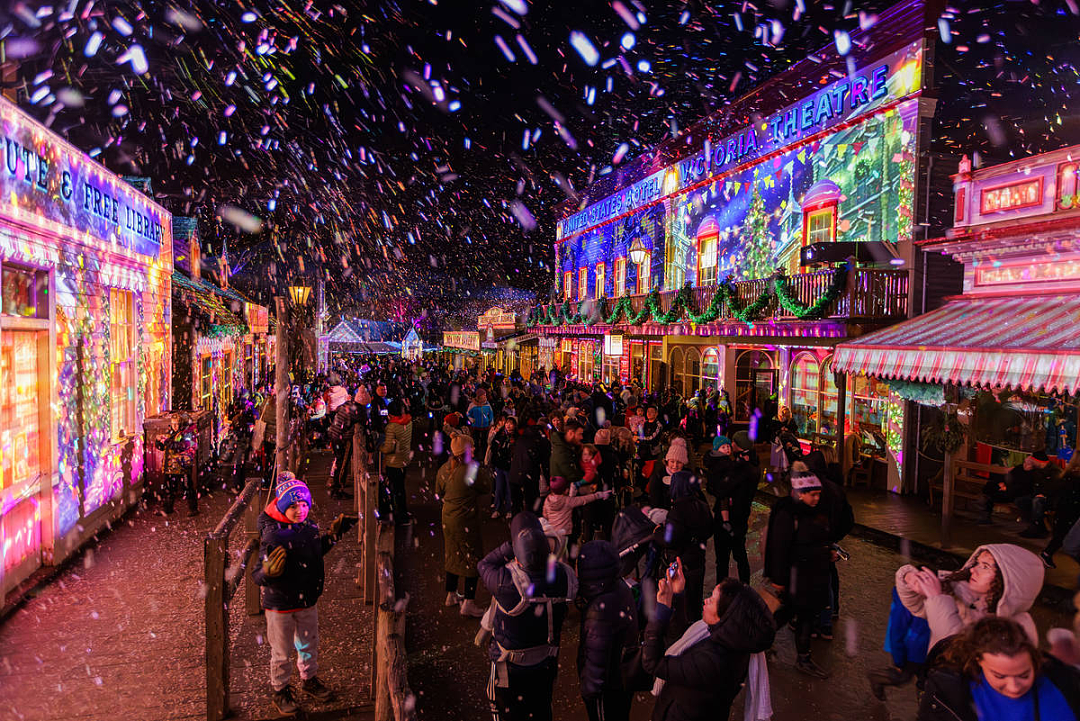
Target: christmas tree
<point x="757" y="254"/>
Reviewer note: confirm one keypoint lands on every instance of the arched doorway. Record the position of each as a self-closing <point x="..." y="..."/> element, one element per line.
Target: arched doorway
<point x="675" y="362"/>
<point x="755" y="384"/>
<point x="693" y="371"/>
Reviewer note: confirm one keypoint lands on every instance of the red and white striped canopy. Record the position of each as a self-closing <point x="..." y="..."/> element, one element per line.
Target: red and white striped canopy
<point x="1025" y="343"/>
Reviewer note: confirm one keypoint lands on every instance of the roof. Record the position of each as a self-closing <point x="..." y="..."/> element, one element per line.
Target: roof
<point x="1025" y="343"/>
<point x="215" y="304"/>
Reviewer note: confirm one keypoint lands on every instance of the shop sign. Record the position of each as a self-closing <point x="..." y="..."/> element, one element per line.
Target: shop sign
<point x="464" y="339"/>
<point x="258" y="318"/>
<point x="497" y="318"/>
<point x="1058" y="270"/>
<point x="892" y="78"/>
<point x="549" y="342"/>
<point x="44" y="181"/>
<point x="613" y="345"/>
<point x="624" y="364"/>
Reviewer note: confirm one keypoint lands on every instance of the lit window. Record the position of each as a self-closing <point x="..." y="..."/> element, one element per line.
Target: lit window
<point x="643" y="275"/>
<point x="122" y="362"/>
<point x="601" y="280"/>
<point x="227" y="381"/>
<point x="568" y="285"/>
<point x="1068" y="195"/>
<point x="821" y="226"/>
<point x="20" y="413"/>
<point x="582" y="283"/>
<point x="707" y="257"/>
<point x="620" y="277"/>
<point x="205" y="383"/>
<point x="805" y="384"/>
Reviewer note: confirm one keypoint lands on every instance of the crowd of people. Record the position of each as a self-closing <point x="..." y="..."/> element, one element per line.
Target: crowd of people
<point x="611" y="496"/>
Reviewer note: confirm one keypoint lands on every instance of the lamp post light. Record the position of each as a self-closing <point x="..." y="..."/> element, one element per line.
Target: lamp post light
<point x="299" y="294"/>
<point x="638" y="252"/>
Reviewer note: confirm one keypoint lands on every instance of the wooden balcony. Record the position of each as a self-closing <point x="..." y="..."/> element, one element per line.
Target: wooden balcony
<point x="870" y="294"/>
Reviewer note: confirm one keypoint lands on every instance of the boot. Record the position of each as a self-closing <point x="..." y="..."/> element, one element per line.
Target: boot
<point x="451" y="599"/>
<point x="805" y="665"/>
<point x="285" y="702"/>
<point x="471" y="609"/>
<point x="889" y="676"/>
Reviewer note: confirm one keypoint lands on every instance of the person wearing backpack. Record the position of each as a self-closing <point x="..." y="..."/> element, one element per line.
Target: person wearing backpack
<point x="531" y="605"/>
<point x="609" y="633"/>
<point x="342" y="428"/>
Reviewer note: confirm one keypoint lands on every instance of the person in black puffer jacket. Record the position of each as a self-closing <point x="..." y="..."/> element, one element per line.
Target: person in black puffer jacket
<point x="733" y="480"/>
<point x="609" y="633"/>
<point x="684" y="536"/>
<point x="527" y="462"/>
<point x="700" y="675"/>
<point x="531" y="607"/>
<point x="797" y="558"/>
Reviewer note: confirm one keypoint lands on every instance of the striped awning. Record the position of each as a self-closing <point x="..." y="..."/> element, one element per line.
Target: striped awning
<point x="1024" y="343"/>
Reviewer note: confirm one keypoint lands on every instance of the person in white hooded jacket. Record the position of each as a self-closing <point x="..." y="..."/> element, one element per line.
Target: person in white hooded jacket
<point x="998" y="579"/>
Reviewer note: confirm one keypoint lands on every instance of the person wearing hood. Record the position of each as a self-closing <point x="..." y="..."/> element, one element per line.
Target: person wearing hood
<point x="609" y="633"/>
<point x="290" y="572"/>
<point x="346" y="415"/>
<point x="396" y="450"/>
<point x="566" y="452"/>
<point x="181" y="448"/>
<point x="797" y="556"/>
<point x="999" y="579"/>
<point x="531" y="607"/>
<point x="732" y="478"/>
<point x="660" y="482"/>
<point x="529" y="455"/>
<point x="685" y="534"/>
<point x="698" y="677"/>
<point x="459" y="486"/>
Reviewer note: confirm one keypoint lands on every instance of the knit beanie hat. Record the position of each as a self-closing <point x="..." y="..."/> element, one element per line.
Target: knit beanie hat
<point x="603" y="437"/>
<point x="677" y="452"/>
<point x="459" y="443"/>
<point x="290" y="492"/>
<point x="720" y="441"/>
<point x="742" y="440"/>
<point x="805" y="482"/>
<point x="557" y="484"/>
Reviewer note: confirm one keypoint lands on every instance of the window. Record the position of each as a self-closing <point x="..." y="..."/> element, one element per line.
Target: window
<point x="582" y="283"/>
<point x="20" y="424"/>
<point x="693" y="371"/>
<point x="227" y="381"/>
<point x="710" y="368"/>
<point x="827" y="423"/>
<point x="708" y="238"/>
<point x="643" y="275"/>
<point x="26" y="292"/>
<point x="805" y="377"/>
<point x="1068" y="192"/>
<point x="205" y="380"/>
<point x="677" y="368"/>
<point x="869" y="396"/>
<point x="601" y="280"/>
<point x="568" y="285"/>
<point x="122" y="362"/>
<point x="620" y="277"/>
<point x="755" y="383"/>
<point x="585" y="362"/>
<point x="820" y="226"/>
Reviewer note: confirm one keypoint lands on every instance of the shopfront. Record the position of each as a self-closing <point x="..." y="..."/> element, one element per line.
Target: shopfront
<point x="464" y="347"/>
<point x="85" y="265"/>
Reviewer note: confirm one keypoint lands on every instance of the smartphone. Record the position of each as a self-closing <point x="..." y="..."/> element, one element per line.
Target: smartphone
<point x="673" y="569"/>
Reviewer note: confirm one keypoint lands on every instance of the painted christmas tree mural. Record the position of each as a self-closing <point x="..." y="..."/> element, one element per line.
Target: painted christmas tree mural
<point x="757" y="257"/>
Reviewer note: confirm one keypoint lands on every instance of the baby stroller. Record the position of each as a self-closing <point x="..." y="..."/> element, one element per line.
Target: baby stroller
<point x="639" y="558"/>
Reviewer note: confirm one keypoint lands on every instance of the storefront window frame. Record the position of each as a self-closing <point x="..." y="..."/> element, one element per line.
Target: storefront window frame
<point x="710" y="380"/>
<point x="122" y="353"/>
<point x="643" y="270"/>
<point x="812" y="421"/>
<point x="620" y="277"/>
<point x="676" y="359"/>
<point x="601" y="280"/>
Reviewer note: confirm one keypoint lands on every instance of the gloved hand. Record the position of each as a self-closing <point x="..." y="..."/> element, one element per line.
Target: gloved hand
<point x="340" y="525"/>
<point x="726" y="525"/>
<point x="274" y="564"/>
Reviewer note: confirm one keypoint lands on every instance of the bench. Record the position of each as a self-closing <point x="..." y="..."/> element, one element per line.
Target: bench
<point x="969" y="479"/>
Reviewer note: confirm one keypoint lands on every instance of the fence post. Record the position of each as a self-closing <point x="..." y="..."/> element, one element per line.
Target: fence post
<point x="252" y="600"/>
<point x="217" y="629"/>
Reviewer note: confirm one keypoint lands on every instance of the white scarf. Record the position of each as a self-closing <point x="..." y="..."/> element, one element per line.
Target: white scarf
<point x="698" y="631"/>
<point x="758" y="704"/>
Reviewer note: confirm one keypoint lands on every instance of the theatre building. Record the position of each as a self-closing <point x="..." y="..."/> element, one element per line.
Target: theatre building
<point x="738" y="254"/>
<point x="85" y="261"/>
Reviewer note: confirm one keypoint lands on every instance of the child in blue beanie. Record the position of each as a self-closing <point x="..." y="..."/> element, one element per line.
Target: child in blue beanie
<point x="291" y="574"/>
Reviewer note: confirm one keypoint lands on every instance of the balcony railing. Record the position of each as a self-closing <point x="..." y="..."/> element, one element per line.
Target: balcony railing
<point x="859" y="294"/>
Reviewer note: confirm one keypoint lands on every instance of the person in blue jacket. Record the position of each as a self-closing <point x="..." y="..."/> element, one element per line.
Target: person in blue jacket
<point x="907" y="639"/>
<point x="290" y="571"/>
<point x="480" y="416"/>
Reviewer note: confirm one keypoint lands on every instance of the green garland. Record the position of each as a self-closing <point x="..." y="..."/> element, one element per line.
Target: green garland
<point x="816" y="310"/>
<point x="683" y="304"/>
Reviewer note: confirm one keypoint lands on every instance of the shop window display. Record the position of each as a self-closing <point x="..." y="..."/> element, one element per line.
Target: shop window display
<point x="693" y="371"/>
<point x="122" y="362"/>
<point x="710" y="368"/>
<point x="20" y="430"/>
<point x="827" y="422"/>
<point x="805" y="388"/>
<point x="25" y="292"/>
<point x="755" y="384"/>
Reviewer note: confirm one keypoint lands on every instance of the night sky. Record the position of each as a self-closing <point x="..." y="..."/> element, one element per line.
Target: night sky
<point x="415" y="153"/>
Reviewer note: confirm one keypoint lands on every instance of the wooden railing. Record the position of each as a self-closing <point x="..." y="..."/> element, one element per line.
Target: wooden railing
<point x="870" y="294"/>
<point x="222" y="582"/>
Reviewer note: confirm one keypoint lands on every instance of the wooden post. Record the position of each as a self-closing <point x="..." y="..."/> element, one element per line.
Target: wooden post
<point x="217" y="629"/>
<point x="948" y="477"/>
<point x="252" y="600"/>
<point x="840" y="380"/>
<point x="281" y="385"/>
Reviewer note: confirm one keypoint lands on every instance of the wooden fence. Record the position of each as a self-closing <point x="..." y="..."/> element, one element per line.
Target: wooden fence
<point x="221" y="583"/>
<point x="389" y="666"/>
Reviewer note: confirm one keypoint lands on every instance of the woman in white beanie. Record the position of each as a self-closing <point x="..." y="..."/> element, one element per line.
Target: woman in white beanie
<point x="660" y="484"/>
